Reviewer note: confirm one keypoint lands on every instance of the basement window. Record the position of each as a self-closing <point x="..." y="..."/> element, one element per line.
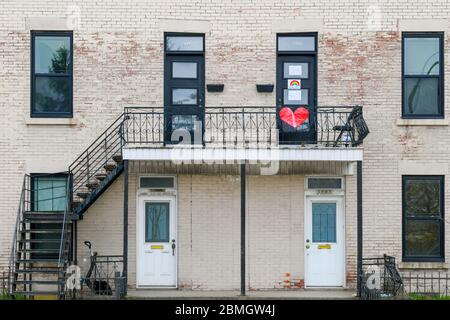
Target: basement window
<point x="51" y="74"/>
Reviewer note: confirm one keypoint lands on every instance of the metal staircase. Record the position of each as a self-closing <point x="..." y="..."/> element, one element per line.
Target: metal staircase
<point x="97" y="168"/>
<point x="41" y="249"/>
<point x="41" y="242"/>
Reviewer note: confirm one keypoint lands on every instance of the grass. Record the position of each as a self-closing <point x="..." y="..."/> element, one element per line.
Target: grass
<point x="416" y="296"/>
<point x="5" y="296"/>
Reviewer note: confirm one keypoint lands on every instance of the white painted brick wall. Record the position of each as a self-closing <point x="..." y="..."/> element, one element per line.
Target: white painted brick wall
<point x="118" y="62"/>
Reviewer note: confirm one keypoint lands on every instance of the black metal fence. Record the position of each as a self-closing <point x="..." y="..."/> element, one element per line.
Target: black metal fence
<point x="380" y="279"/>
<point x="426" y="284"/>
<point x="4" y="285"/>
<point x="105" y="280"/>
<point x="244" y="126"/>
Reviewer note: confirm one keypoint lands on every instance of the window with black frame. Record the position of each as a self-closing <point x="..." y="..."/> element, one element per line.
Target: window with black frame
<point x="423" y="218"/>
<point x="423" y="89"/>
<point x="49" y="194"/>
<point x="51" y="74"/>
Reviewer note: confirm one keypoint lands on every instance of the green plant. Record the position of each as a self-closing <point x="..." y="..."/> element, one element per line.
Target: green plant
<point x="417" y="296"/>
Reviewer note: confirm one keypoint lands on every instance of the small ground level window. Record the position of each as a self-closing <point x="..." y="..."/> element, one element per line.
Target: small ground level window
<point x="423" y="218"/>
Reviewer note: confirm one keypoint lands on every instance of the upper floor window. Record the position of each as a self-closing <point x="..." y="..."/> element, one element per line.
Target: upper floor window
<point x="51" y="74"/>
<point x="423" y="90"/>
<point x="423" y="218"/>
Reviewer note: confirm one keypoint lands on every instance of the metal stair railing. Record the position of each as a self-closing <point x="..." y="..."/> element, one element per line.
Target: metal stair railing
<point x="13" y="254"/>
<point x="63" y="256"/>
<point x="98" y="154"/>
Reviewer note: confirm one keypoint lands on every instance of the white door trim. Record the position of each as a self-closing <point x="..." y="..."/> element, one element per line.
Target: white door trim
<point x="141" y="199"/>
<point x="341" y="199"/>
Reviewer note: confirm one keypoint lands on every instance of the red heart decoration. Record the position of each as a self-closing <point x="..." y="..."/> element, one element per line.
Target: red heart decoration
<point x="296" y="118"/>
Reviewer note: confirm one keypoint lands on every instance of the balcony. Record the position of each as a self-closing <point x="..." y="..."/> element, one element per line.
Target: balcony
<point x="246" y="127"/>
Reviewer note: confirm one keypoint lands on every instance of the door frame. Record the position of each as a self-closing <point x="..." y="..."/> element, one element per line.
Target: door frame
<point x="167" y="77"/>
<point x="325" y="197"/>
<point x="141" y="199"/>
<point x="279" y="70"/>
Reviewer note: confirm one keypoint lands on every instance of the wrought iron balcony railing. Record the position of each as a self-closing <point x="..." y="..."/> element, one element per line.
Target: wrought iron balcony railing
<point x="248" y="126"/>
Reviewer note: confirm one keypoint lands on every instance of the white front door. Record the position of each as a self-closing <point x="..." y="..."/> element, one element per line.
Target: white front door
<point x="324" y="242"/>
<point x="157" y="247"/>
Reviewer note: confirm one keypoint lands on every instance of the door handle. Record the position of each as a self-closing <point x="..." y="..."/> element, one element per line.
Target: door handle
<point x="173" y="247"/>
<point x="307" y="244"/>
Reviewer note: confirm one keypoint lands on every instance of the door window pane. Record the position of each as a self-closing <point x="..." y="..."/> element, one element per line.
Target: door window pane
<point x="52" y="94"/>
<point x="423" y="238"/>
<point x="295" y="70"/>
<point x="184" y="96"/>
<point x="324" y="222"/>
<point x="421" y="96"/>
<point x="422" y="197"/>
<point x="52" y="54"/>
<point x="157" y="222"/>
<point x="183" y="122"/>
<point x="184" y="43"/>
<point x="421" y="56"/>
<point x="295" y="97"/>
<point x="296" y="43"/>
<point x="185" y="70"/>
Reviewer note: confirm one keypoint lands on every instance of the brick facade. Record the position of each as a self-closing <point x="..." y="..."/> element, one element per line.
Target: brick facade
<point x="118" y="62"/>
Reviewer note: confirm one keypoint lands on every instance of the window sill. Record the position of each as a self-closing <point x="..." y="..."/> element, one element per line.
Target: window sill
<point x="423" y="265"/>
<point x="422" y="122"/>
<point x="51" y="121"/>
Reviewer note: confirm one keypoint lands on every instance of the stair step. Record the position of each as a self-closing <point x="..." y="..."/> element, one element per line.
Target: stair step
<point x="36" y="293"/>
<point x="83" y="194"/>
<point x="92" y="185"/>
<point x="48" y="271"/>
<point x="118" y="158"/>
<point x="40" y="250"/>
<point x="36" y="215"/>
<point x="43" y="282"/>
<point x="109" y="167"/>
<point x="37" y="260"/>
<point x="47" y="221"/>
<point x="101" y="176"/>
<point x="43" y="231"/>
<point x="41" y="240"/>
